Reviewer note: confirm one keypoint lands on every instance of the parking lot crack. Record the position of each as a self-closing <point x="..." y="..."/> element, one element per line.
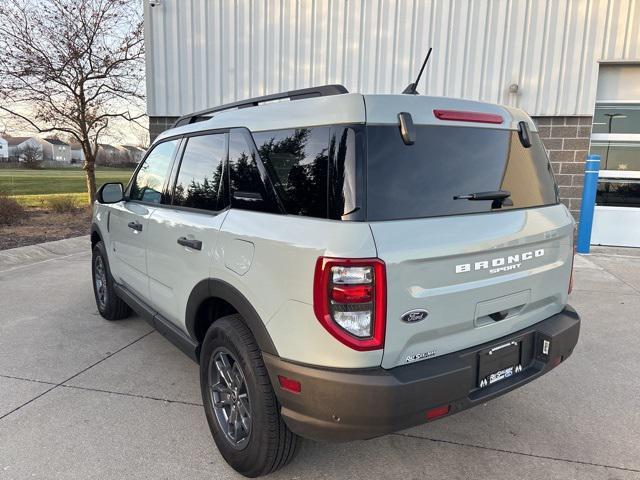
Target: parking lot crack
<point x="12" y="377"/>
<point x="624" y="281"/>
<point x="56" y="385"/>
<point x="145" y="397"/>
<point x="513" y="452"/>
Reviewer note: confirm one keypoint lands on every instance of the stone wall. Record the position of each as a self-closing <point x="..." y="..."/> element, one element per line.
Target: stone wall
<point x="157" y="125"/>
<point x="566" y="139"/>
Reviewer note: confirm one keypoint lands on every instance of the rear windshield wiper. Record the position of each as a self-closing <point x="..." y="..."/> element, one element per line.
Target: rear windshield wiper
<point x="494" y="195"/>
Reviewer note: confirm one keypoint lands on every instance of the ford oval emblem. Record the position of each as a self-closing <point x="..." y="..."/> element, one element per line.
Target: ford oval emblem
<point x="413" y="316"/>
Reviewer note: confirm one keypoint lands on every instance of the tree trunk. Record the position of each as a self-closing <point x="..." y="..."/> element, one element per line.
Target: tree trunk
<point x="90" y="170"/>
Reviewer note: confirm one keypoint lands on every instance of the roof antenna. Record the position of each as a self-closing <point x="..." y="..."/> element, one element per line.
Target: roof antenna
<point x="412" y="87"/>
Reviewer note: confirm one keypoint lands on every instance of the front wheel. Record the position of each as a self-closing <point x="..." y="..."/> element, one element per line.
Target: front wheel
<point x="239" y="401"/>
<point x="109" y="304"/>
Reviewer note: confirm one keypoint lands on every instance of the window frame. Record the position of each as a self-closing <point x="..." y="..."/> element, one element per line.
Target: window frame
<point x="134" y="176"/>
<point x="358" y="214"/>
<point x="359" y="131"/>
<point x="512" y="138"/>
<point x="276" y="182"/>
<point x="264" y="173"/>
<point x="177" y="163"/>
<point x="607" y="140"/>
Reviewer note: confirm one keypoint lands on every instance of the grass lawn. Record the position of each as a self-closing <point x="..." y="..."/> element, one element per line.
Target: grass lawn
<point x="41" y="201"/>
<point x="32" y="187"/>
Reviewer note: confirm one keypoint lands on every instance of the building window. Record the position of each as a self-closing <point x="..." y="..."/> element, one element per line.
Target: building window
<point x="616" y="138"/>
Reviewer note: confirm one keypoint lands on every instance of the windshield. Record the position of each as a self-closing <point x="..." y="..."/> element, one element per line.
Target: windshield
<point x="421" y="180"/>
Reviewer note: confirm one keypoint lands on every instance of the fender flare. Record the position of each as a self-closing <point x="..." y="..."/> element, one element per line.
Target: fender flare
<point x="96" y="229"/>
<point x="213" y="287"/>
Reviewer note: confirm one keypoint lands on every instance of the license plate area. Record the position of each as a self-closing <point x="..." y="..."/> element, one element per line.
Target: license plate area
<point x="499" y="363"/>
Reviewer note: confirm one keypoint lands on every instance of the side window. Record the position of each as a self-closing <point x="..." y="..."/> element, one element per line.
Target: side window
<point x="149" y="182"/>
<point x="250" y="189"/>
<point x="298" y="162"/>
<point x="201" y="173"/>
<point x="344" y="178"/>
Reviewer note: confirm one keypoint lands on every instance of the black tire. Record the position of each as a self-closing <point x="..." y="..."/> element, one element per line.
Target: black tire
<point x="110" y="306"/>
<point x="269" y="444"/>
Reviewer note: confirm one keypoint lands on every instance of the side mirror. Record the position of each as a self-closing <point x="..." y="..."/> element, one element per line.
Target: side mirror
<point x="110" y="193"/>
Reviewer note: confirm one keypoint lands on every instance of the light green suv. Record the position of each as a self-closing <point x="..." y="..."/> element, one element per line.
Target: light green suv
<point x="341" y="265"/>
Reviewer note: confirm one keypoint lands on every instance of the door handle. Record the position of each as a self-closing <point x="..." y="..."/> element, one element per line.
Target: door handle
<point x="191" y="243"/>
<point x="135" y="225"/>
<point x="248" y="196"/>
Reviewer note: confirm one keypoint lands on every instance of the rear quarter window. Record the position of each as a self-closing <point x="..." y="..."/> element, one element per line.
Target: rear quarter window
<point x="297" y="160"/>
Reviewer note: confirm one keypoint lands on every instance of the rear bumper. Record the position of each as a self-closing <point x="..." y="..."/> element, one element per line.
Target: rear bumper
<point x="344" y="405"/>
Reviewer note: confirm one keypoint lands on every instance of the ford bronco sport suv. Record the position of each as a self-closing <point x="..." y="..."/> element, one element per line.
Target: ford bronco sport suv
<point x="342" y="266"/>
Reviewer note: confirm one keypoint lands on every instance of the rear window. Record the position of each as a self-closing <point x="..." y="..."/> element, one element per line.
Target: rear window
<point x="421" y="180"/>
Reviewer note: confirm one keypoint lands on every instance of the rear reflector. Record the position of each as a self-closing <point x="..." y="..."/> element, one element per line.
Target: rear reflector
<point x="461" y="116"/>
<point x="352" y="293"/>
<point x="289" y="384"/>
<point x="438" y="412"/>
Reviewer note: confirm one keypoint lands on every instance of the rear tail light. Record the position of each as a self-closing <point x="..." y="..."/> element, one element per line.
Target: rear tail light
<point x="462" y="116"/>
<point x="349" y="300"/>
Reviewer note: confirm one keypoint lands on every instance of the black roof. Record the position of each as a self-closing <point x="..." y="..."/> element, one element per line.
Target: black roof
<point x="55" y="141"/>
<point x="16" y="140"/>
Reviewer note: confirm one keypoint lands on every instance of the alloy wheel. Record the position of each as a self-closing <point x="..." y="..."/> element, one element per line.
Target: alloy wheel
<point x="230" y="397"/>
<point x="100" y="279"/>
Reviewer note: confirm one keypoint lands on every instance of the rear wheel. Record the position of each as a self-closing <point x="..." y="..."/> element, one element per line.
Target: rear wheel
<point x="239" y="401"/>
<point x="109" y="304"/>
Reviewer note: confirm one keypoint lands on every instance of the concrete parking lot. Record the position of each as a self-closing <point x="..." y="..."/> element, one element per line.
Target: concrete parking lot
<point x="82" y="398"/>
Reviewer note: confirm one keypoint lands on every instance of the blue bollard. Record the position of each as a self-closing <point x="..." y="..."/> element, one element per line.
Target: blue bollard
<point x="591" y="168"/>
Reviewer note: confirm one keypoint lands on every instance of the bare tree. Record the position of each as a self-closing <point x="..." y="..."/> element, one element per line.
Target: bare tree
<point x="30" y="155"/>
<point x="143" y="139"/>
<point x="72" y="67"/>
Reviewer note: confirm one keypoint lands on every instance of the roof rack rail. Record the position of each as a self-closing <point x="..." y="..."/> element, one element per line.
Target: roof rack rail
<point x="321" y="91"/>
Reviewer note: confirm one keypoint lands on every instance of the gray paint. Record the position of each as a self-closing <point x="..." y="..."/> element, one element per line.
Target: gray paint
<point x="146" y="394"/>
<point x="422" y="255"/>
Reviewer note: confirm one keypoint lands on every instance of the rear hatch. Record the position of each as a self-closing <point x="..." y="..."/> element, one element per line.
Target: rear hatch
<point x="463" y="272"/>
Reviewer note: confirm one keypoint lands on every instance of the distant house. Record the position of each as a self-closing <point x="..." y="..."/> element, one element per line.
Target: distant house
<point x="135" y="153"/>
<point x="55" y="150"/>
<point x="4" y="150"/>
<point x="112" y="155"/>
<point x="17" y="144"/>
<point x="77" y="154"/>
<point x="109" y="154"/>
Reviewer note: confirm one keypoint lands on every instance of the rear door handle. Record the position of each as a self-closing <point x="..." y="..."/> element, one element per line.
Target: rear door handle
<point x="135" y="225"/>
<point x="248" y="196"/>
<point x="191" y="243"/>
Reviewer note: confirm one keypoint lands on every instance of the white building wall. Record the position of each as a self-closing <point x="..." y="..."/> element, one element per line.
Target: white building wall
<point x="4" y="150"/>
<point x="202" y="53"/>
<point x="33" y="142"/>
